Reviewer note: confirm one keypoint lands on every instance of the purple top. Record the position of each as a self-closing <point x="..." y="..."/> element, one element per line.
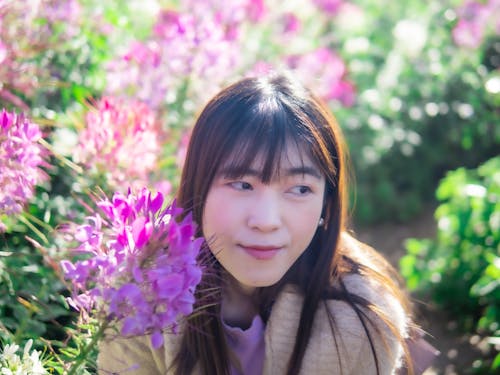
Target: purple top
<point x="247" y="346"/>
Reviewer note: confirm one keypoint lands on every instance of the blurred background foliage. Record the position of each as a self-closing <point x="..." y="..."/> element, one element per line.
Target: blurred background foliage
<point x="414" y="85"/>
<point x="460" y="269"/>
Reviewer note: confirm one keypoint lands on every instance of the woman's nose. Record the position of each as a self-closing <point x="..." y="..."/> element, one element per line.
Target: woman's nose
<point x="264" y="212"/>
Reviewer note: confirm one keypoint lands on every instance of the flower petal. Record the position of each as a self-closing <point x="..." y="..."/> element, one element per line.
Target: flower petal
<point x="157" y="339"/>
<point x="141" y="231"/>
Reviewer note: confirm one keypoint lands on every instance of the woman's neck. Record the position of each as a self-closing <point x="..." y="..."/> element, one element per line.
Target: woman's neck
<point x="239" y="306"/>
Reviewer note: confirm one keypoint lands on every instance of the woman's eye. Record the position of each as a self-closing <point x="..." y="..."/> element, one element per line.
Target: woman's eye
<point x="301" y="190"/>
<point x="240" y="185"/>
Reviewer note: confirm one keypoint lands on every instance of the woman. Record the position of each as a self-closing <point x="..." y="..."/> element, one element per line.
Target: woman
<point x="287" y="290"/>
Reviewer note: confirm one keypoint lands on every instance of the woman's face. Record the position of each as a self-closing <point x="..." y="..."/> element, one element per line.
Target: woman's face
<point x="256" y="230"/>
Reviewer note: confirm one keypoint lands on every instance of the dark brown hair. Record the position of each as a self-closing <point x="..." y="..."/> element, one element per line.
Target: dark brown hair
<point x="259" y="116"/>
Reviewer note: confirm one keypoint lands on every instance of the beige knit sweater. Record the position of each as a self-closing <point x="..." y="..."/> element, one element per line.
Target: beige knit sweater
<point x="136" y="356"/>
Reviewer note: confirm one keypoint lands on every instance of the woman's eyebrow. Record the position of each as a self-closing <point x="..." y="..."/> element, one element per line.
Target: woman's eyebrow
<point x="234" y="171"/>
<point x="303" y="170"/>
<point x="292" y="171"/>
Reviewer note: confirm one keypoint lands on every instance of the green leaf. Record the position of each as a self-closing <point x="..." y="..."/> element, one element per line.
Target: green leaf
<point x="496" y="362"/>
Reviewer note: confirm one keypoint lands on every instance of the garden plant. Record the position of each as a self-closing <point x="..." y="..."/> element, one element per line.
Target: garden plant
<point x="460" y="269"/>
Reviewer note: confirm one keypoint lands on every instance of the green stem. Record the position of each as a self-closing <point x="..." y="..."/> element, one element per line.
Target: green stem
<point x="38" y="221"/>
<point x="33" y="228"/>
<point x="21" y="328"/>
<point x="87" y="349"/>
<point x="63" y="159"/>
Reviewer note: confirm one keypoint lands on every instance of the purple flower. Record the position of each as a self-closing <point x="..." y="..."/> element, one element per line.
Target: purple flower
<point x="21" y="159"/>
<point x="140" y="268"/>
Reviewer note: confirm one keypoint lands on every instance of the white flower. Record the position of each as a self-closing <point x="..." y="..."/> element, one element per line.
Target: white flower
<point x="9" y="352"/>
<point x="12" y="364"/>
<point x="36" y="364"/>
<point x="410" y="36"/>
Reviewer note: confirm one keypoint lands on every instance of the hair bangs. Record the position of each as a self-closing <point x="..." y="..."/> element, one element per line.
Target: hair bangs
<point x="260" y="140"/>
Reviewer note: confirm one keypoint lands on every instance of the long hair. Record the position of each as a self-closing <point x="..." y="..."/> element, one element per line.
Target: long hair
<point x="260" y="116"/>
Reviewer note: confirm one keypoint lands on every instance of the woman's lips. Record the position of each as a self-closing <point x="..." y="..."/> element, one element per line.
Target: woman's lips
<point x="261" y="252"/>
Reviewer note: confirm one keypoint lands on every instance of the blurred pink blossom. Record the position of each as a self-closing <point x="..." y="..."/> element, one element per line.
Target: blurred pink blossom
<point x="345" y="93"/>
<point x="21" y="159"/>
<point x="475" y="20"/>
<point x="329" y="6"/>
<point x="468" y="34"/>
<point x="185" y="48"/>
<point x="182" y="148"/>
<point x="121" y="141"/>
<point x="3" y="52"/>
<point x="256" y="10"/>
<point x="67" y="11"/>
<point x="324" y="72"/>
<point x="291" y="23"/>
<point x="473" y="10"/>
<point x="25" y="33"/>
<point x="164" y="187"/>
<point x="198" y="47"/>
<point x="260" y="68"/>
<point x="230" y="13"/>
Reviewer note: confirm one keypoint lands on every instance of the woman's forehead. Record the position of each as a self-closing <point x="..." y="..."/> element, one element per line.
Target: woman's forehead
<point x="292" y="159"/>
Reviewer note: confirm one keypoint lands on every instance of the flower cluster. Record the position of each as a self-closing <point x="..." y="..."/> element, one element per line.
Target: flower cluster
<point x="25" y="35"/>
<point x="29" y="364"/>
<point x="21" y="159"/>
<point x="140" y="267"/>
<point x="325" y="71"/>
<point x="194" y="50"/>
<point x="121" y="142"/>
<point x="185" y="46"/>
<point x="475" y="18"/>
<point x="331" y="7"/>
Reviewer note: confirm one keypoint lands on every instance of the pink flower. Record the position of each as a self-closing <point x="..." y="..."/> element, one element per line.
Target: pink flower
<point x="475" y="20"/>
<point x="142" y="271"/>
<point x="66" y="11"/>
<point x="121" y="141"/>
<point x="468" y="34"/>
<point x="143" y="54"/>
<point x="170" y="24"/>
<point x="182" y="148"/>
<point x="164" y="187"/>
<point x="324" y="72"/>
<point x="24" y="34"/>
<point x="256" y="10"/>
<point x="344" y="92"/>
<point x="329" y="6"/>
<point x="3" y="52"/>
<point x="472" y="10"/>
<point x="193" y="50"/>
<point x="21" y="159"/>
<point x="260" y="68"/>
<point x="291" y="23"/>
<point x="228" y="13"/>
